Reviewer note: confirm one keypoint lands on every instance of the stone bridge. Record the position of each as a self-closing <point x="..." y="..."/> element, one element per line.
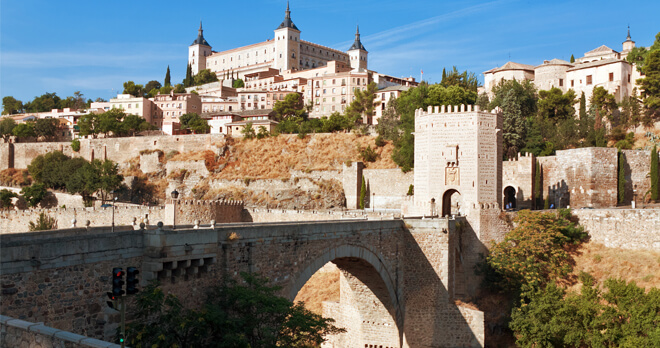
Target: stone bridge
<point x="398" y="277"/>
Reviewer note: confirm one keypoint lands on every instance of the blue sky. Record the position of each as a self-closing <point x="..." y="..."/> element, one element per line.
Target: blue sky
<point x="94" y="46"/>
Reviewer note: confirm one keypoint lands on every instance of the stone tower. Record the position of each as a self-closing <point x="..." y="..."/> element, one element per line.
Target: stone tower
<point x="198" y="51"/>
<point x="629" y="44"/>
<point x="357" y="53"/>
<point x="287" y="44"/>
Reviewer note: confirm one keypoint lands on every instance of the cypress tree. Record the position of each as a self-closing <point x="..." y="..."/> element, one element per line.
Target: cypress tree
<point x="187" y="82"/>
<point x="444" y="75"/>
<point x="538" y="192"/>
<point x="363" y="193"/>
<point x="572" y="59"/>
<point x="167" y="77"/>
<point x="654" y="173"/>
<point x="622" y="177"/>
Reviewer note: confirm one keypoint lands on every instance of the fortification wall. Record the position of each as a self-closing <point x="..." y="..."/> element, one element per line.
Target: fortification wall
<point x="637" y="167"/>
<point x="519" y="174"/>
<point x="283" y="215"/>
<point x="116" y="149"/>
<point x="390" y="187"/>
<point x="189" y="211"/>
<point x="20" y="333"/>
<point x="622" y="228"/>
<point x="18" y="220"/>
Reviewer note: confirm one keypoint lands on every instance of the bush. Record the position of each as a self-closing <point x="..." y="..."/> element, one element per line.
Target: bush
<point x="5" y="198"/>
<point x="75" y="145"/>
<point x="44" y="223"/>
<point x="380" y="142"/>
<point x="363" y="193"/>
<point x="34" y="194"/>
<point x="411" y="190"/>
<point x="368" y="154"/>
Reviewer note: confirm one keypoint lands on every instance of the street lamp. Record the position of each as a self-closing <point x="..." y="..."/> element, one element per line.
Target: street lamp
<point x="113" y="209"/>
<point x="175" y="195"/>
<point x="373" y="202"/>
<point x="634" y="205"/>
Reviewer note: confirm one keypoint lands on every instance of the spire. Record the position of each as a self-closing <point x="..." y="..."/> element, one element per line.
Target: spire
<point x="287" y="22"/>
<point x="357" y="45"/>
<point x="200" y="37"/>
<point x="628" y="37"/>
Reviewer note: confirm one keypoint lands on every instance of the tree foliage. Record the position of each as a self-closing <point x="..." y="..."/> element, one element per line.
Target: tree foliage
<point x="192" y="121"/>
<point x="6" y="199"/>
<point x="168" y="78"/>
<point x="11" y="105"/>
<point x="133" y="89"/>
<point x="466" y="80"/>
<point x="291" y="106"/>
<point x="363" y="104"/>
<point x="621" y="182"/>
<point x="363" y="193"/>
<point x="534" y="252"/>
<point x="7" y="126"/>
<point x="34" y="194"/>
<point x="248" y="132"/>
<point x="45" y="222"/>
<point x="650" y="85"/>
<point x="245" y="314"/>
<point x="518" y="103"/>
<point x="624" y="315"/>
<point x="205" y="76"/>
<point x="238" y="83"/>
<point x="24" y="130"/>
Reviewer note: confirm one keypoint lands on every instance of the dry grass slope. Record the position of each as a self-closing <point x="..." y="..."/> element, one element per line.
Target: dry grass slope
<point x="275" y="157"/>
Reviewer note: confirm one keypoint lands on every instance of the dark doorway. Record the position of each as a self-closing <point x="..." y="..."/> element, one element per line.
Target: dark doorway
<point x="509" y="198"/>
<point x="451" y="203"/>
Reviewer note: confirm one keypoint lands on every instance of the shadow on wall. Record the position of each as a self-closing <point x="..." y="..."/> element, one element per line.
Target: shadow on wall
<point x="559" y="196"/>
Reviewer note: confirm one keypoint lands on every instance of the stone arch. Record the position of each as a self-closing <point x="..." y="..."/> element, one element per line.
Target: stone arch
<point x="509" y="195"/>
<point x="365" y="273"/>
<point x="451" y="202"/>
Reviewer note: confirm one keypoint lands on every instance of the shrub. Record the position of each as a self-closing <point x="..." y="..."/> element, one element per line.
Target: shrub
<point x="380" y="142"/>
<point x="75" y="145"/>
<point x="363" y="193"/>
<point x="34" y="194"/>
<point x="6" y="197"/>
<point x="44" y="223"/>
<point x="368" y="154"/>
<point x="411" y="190"/>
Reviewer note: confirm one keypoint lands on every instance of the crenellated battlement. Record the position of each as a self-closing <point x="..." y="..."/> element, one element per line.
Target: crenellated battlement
<point x="220" y="202"/>
<point x="451" y="109"/>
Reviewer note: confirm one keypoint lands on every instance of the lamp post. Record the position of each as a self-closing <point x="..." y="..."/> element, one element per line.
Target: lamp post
<point x="113" y="210"/>
<point x="634" y="205"/>
<point x="373" y="202"/>
<point x="175" y="195"/>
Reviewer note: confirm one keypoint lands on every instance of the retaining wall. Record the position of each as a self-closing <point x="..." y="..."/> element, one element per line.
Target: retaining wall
<point x="19" y="333"/>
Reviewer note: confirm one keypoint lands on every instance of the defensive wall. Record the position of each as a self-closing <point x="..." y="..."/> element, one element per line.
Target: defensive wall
<point x="622" y="228"/>
<point x="400" y="273"/>
<point x="19" y="155"/>
<point x="518" y="181"/>
<point x="20" y="333"/>
<point x="187" y="212"/>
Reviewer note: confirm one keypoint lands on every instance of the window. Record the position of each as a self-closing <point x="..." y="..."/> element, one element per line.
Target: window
<point x="589" y="81"/>
<point x="325" y="91"/>
<point x="324" y="100"/>
<point x="628" y="78"/>
<point x="561" y="82"/>
<point x="572" y="83"/>
<point x="611" y="76"/>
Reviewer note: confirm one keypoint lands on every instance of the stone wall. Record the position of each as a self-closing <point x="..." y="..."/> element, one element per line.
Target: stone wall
<point x="352" y="182"/>
<point x="275" y="215"/>
<point x="19" y="333"/>
<point x="518" y="173"/>
<point x="637" y="167"/>
<point x="116" y="149"/>
<point x="14" y="221"/>
<point x="386" y="188"/>
<point x="622" y="228"/>
<point x="188" y="211"/>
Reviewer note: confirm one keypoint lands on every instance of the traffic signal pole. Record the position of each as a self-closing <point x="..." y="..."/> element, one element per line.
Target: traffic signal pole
<point x="117" y="295"/>
<point x="123" y="321"/>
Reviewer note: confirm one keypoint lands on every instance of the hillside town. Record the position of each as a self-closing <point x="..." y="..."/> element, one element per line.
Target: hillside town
<point x="286" y="194"/>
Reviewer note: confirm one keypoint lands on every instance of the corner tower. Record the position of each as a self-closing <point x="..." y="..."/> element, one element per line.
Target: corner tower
<point x="357" y="53"/>
<point x="198" y="51"/>
<point x="629" y="44"/>
<point x="287" y="44"/>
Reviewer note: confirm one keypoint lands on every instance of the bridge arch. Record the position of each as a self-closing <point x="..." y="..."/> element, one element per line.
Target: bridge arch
<point x="364" y="271"/>
<point x="451" y="202"/>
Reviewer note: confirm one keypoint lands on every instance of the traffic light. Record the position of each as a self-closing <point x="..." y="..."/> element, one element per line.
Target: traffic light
<point x="117" y="282"/>
<point x="132" y="280"/>
<point x="113" y="300"/>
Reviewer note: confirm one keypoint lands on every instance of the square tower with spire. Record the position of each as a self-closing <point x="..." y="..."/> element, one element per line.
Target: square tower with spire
<point x="198" y="51"/>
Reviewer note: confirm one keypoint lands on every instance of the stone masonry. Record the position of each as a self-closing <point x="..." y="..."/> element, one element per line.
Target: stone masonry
<point x="406" y="268"/>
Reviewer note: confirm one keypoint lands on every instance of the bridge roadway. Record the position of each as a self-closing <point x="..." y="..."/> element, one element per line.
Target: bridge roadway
<point x="398" y="278"/>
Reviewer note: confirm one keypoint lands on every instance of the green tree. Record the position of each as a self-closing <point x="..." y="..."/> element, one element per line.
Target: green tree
<point x="291" y="106"/>
<point x="650" y="86"/>
<point x="205" y="76"/>
<point x="46" y="127"/>
<point x="109" y="178"/>
<point x="263" y="132"/>
<point x="179" y="88"/>
<point x="76" y="102"/>
<point x="623" y="316"/>
<point x="153" y="84"/>
<point x="572" y="59"/>
<point x="518" y="103"/>
<point x="188" y="80"/>
<point x="363" y="104"/>
<point x="43" y="103"/>
<point x="44" y="223"/>
<point x="245" y="314"/>
<point x="248" y="131"/>
<point x="483" y="101"/>
<point x="363" y="193"/>
<point x="194" y="122"/>
<point x="24" y="130"/>
<point x="88" y="124"/>
<point x="75" y="145"/>
<point x="11" y="105"/>
<point x="655" y="177"/>
<point x="238" y="83"/>
<point x="131" y="88"/>
<point x="538" y="186"/>
<point x="7" y="125"/>
<point x="168" y="80"/>
<point x="166" y="89"/>
<point x="34" y="194"/>
<point x="6" y="198"/>
<point x="534" y="252"/>
<point x="84" y="179"/>
<point x="466" y="80"/>
<point x="110" y="121"/>
<point x="622" y="177"/>
<point x="388" y="126"/>
<point x="49" y="169"/>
